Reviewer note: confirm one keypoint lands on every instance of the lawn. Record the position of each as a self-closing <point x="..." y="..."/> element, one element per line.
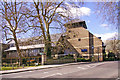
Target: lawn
<point x="12" y="68"/>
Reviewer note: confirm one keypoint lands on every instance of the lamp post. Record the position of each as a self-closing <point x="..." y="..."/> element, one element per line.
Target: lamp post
<point x="98" y="54"/>
<point x="92" y="51"/>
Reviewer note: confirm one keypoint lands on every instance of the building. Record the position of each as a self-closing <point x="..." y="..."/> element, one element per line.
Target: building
<point x="3" y="47"/>
<point x="77" y="40"/>
<point x="29" y="46"/>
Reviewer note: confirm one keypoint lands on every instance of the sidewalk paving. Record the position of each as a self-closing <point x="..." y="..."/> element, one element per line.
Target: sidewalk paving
<point x="38" y="67"/>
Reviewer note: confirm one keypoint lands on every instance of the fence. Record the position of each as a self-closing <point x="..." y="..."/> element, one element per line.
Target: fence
<point x="59" y="61"/>
<point x="30" y="61"/>
<point x="27" y="61"/>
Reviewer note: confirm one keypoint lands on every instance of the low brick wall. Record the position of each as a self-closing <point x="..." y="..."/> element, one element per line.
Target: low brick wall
<point x="59" y="61"/>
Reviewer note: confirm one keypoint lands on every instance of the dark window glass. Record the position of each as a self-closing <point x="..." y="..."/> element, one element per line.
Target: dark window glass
<point x="79" y="39"/>
<point x="73" y="35"/>
<point x="69" y="31"/>
<point x="12" y="45"/>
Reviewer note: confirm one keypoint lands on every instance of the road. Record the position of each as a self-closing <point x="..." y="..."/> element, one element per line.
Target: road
<point x="93" y="70"/>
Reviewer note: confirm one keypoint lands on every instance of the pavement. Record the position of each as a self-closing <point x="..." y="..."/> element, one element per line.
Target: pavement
<point x="39" y="67"/>
<point x="108" y="69"/>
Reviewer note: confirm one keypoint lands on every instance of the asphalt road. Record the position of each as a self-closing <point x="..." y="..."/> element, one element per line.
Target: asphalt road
<point x="94" y="70"/>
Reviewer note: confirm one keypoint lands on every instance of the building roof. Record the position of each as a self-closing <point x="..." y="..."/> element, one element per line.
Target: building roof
<point x="76" y="21"/>
<point x="54" y="37"/>
<point x="26" y="47"/>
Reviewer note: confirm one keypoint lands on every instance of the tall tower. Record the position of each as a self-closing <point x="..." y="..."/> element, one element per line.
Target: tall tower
<point x="82" y="40"/>
<point x="79" y="37"/>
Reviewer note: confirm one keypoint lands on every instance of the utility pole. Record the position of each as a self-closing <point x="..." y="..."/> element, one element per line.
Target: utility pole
<point x="92" y="51"/>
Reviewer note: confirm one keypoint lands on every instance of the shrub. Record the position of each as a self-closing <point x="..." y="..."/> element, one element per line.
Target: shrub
<point x="109" y="59"/>
<point x="82" y="60"/>
<point x="9" y="68"/>
<point x="93" y="59"/>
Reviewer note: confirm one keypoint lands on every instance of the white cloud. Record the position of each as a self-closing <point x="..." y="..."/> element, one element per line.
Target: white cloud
<point x="83" y="11"/>
<point x="75" y="12"/>
<point x="106" y="36"/>
<point x="88" y="21"/>
<point x="104" y="25"/>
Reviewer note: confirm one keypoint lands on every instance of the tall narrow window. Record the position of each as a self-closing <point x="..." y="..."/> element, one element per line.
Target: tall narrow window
<point x="79" y="39"/>
<point x="74" y="36"/>
<point x="69" y="31"/>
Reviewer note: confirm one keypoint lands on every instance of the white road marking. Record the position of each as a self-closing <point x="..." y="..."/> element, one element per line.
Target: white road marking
<point x="59" y="73"/>
<point x="81" y="68"/>
<point x="30" y="71"/>
<point x="51" y="75"/>
<point x="88" y="65"/>
<point x="45" y="72"/>
<point x="17" y="77"/>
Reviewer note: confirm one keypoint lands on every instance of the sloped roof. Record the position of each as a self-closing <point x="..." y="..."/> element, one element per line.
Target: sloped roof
<point x="54" y="37"/>
<point x="75" y="21"/>
<point x="26" y="47"/>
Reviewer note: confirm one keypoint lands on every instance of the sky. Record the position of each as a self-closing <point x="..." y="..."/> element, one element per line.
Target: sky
<point x="94" y="22"/>
<point x="95" y="25"/>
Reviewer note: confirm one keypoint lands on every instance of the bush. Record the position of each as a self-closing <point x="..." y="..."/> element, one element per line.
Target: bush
<point x="58" y="61"/>
<point x="82" y="60"/>
<point x="109" y="59"/>
<point x="67" y="57"/>
<point x="93" y="59"/>
<point x="9" y="68"/>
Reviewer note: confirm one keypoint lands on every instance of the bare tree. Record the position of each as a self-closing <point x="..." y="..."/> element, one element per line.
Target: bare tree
<point x="13" y="22"/>
<point x="113" y="45"/>
<point x="110" y="11"/>
<point x="44" y="14"/>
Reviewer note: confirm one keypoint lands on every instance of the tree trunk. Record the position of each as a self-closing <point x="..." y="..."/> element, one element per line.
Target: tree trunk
<point x="17" y="48"/>
<point x="48" y="49"/>
<point x="48" y="43"/>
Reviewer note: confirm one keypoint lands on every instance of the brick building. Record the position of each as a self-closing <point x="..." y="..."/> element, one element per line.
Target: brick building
<point x="84" y="42"/>
<point x="77" y="40"/>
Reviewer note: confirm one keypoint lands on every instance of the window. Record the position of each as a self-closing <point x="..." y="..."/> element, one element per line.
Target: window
<point x="83" y="50"/>
<point x="12" y="45"/>
<point x="77" y="24"/>
<point x="69" y="31"/>
<point x="85" y="56"/>
<point x="74" y="36"/>
<point x="79" y="39"/>
<point x="68" y="37"/>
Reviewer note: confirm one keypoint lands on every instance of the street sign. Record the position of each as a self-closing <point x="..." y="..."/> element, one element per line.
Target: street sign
<point x="36" y="64"/>
<point x="83" y="50"/>
<point x="41" y="53"/>
<point x="92" y="47"/>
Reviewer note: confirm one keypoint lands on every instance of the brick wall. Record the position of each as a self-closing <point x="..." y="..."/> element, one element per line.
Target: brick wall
<point x="81" y="38"/>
